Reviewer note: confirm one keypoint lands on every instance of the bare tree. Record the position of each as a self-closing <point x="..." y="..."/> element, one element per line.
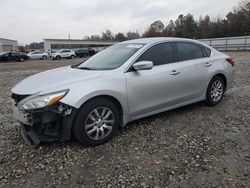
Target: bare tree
<point x="107" y="35"/>
<point x="133" y="35"/>
<point x="120" y="37"/>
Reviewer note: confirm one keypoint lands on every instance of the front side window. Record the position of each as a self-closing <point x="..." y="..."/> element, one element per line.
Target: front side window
<point x="112" y="57"/>
<point x="188" y="51"/>
<point x="159" y="54"/>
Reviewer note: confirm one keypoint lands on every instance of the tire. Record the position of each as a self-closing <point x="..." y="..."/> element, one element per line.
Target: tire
<point x="58" y="57"/>
<point x="215" y="93"/>
<point x="72" y="57"/>
<point x="84" y="123"/>
<point x="21" y="59"/>
<point x="44" y="57"/>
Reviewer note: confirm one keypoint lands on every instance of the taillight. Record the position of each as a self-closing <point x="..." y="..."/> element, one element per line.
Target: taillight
<point x="231" y="61"/>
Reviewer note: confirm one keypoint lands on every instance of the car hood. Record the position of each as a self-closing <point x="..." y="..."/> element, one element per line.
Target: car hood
<point x="53" y="80"/>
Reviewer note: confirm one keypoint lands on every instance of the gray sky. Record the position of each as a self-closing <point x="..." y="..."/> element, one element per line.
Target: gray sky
<point x="34" y="20"/>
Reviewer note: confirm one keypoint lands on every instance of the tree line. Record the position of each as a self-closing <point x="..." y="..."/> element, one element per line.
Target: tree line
<point x="236" y="23"/>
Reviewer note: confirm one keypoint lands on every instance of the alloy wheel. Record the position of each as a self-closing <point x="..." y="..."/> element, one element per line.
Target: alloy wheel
<point x="216" y="90"/>
<point x="99" y="123"/>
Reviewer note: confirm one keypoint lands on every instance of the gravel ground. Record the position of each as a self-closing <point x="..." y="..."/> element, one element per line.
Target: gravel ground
<point x="193" y="146"/>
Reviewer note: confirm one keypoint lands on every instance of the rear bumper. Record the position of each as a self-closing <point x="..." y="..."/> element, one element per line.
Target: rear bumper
<point x="46" y="125"/>
<point x="230" y="78"/>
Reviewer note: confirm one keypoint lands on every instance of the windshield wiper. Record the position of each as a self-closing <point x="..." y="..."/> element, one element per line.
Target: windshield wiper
<point x="76" y="65"/>
<point x="84" y="68"/>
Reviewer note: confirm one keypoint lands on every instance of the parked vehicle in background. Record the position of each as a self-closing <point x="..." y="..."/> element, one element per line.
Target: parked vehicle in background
<point x="38" y="55"/>
<point x="82" y="53"/>
<point x="63" y="53"/>
<point x="13" y="56"/>
<point x="92" y="52"/>
<point x="123" y="83"/>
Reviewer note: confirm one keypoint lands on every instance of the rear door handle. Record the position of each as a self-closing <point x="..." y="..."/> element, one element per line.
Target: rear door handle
<point x="174" y="72"/>
<point x="208" y="64"/>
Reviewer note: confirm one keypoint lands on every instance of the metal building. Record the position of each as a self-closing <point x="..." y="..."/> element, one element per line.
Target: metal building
<point x="7" y="45"/>
<point x="53" y="44"/>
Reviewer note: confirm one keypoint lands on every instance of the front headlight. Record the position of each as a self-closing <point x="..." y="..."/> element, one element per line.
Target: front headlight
<point x="41" y="101"/>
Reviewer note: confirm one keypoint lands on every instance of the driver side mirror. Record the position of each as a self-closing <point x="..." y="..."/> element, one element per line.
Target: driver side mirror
<point x="143" y="65"/>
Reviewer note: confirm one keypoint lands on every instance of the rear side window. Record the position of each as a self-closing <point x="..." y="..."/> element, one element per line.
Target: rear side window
<point x="207" y="51"/>
<point x="159" y="54"/>
<point x="188" y="51"/>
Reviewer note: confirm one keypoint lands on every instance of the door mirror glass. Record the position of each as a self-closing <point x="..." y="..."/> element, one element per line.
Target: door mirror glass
<point x="143" y="65"/>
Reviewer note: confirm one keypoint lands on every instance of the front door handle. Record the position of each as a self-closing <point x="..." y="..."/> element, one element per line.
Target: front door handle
<point x="208" y="64"/>
<point x="174" y="72"/>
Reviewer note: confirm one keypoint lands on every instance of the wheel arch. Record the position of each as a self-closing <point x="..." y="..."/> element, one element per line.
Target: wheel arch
<point x="121" y="107"/>
<point x="219" y="73"/>
<point x="222" y="75"/>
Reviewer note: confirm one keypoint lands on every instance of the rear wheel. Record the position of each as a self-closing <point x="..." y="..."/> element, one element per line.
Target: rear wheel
<point x="215" y="91"/>
<point x="72" y="57"/>
<point x="44" y="57"/>
<point x="96" y="122"/>
<point x="22" y="59"/>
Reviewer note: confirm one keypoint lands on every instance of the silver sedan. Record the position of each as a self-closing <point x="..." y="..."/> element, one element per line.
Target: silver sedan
<point x="125" y="82"/>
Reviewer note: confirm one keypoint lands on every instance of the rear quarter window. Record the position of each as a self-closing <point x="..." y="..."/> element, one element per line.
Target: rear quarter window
<point x="207" y="51"/>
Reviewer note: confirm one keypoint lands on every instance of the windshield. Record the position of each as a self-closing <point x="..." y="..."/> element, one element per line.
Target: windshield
<point x="111" y="58"/>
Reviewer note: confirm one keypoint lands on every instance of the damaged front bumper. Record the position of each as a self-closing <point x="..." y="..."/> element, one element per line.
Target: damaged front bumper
<point x="49" y="124"/>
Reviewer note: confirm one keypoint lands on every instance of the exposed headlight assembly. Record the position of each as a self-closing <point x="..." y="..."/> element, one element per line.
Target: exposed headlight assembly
<point x="41" y="101"/>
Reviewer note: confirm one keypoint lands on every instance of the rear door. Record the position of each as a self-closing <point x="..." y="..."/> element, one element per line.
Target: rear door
<point x="35" y="55"/>
<point x="64" y="53"/>
<point x="193" y="66"/>
<point x="67" y="53"/>
<point x="39" y="55"/>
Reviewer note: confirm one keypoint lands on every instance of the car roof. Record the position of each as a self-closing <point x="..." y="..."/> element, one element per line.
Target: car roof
<point x="160" y="39"/>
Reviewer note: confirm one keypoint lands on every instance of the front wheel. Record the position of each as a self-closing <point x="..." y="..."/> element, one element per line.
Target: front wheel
<point x="97" y="122"/>
<point x="215" y="91"/>
<point x="72" y="57"/>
